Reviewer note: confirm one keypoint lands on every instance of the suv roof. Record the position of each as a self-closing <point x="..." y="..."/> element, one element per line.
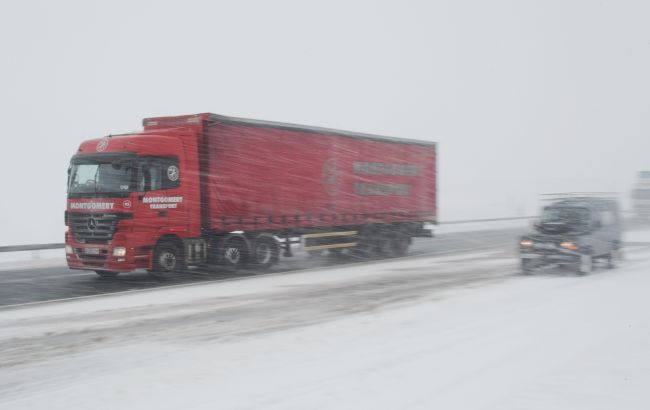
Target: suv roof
<point x="597" y="200"/>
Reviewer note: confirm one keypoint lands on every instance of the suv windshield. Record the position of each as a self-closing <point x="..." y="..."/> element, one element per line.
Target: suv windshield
<point x="119" y="175"/>
<point x="565" y="218"/>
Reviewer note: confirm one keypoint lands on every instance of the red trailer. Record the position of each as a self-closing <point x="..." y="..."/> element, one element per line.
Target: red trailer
<point x="209" y="189"/>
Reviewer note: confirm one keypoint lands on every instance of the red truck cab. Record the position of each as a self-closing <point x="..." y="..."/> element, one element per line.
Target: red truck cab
<point x="125" y="192"/>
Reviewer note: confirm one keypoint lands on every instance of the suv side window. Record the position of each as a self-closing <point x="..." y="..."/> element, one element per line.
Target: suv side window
<point x="607" y="218"/>
<point x="596" y="221"/>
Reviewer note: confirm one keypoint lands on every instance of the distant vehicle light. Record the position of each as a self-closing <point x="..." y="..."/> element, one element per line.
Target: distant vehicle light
<point x="526" y="242"/>
<point x="119" y="251"/>
<point x="570" y="246"/>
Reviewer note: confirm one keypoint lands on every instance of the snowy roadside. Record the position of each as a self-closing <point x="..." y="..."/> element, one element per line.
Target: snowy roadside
<point x="391" y="338"/>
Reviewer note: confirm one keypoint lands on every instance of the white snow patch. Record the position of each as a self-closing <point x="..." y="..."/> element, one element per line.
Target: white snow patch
<point x="544" y="342"/>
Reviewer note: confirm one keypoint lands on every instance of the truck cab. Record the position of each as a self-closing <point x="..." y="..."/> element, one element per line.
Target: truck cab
<point x="575" y="231"/>
<point x="126" y="194"/>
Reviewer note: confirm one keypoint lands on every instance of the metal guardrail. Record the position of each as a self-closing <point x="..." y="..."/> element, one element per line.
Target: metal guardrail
<point x="44" y="246"/>
<point x="32" y="247"/>
<point x="467" y="221"/>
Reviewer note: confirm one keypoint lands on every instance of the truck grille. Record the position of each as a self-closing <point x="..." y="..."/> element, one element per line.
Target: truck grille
<point x="94" y="228"/>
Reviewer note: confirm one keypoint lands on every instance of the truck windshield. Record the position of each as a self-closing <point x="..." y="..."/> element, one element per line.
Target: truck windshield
<point x="119" y="175"/>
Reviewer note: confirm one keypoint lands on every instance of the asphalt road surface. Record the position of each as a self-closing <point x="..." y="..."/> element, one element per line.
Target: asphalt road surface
<point x="31" y="285"/>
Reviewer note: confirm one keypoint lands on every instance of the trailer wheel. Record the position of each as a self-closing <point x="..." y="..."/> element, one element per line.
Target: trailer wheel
<point x="107" y="273"/>
<point x="399" y="245"/>
<point x="265" y="253"/>
<point x="383" y="247"/>
<point x="234" y="253"/>
<point x="167" y="260"/>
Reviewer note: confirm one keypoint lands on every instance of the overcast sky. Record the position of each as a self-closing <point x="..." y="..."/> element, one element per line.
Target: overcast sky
<point x="524" y="97"/>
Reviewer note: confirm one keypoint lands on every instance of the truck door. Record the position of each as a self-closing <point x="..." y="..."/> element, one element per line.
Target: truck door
<point x="160" y="197"/>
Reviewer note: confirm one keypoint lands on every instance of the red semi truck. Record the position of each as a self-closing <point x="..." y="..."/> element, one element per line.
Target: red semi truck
<point x="207" y="189"/>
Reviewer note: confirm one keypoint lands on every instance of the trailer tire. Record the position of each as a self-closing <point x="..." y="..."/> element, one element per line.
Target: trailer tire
<point x="383" y="247"/>
<point x="107" y="273"/>
<point x="399" y="245"/>
<point x="265" y="252"/>
<point x="168" y="260"/>
<point x="234" y="253"/>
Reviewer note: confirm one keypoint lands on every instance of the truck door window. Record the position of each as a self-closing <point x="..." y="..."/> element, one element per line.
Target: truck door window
<point x="159" y="173"/>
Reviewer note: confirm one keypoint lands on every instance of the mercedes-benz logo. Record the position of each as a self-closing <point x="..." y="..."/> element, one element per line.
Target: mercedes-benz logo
<point x="92" y="224"/>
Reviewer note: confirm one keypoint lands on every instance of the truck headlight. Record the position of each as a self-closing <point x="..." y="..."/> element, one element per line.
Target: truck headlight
<point x="69" y="250"/>
<point x="526" y="242"/>
<point x="119" y="251"/>
<point x="569" y="245"/>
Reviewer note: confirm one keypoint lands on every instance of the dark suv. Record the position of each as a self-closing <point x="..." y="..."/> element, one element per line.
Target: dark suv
<point x="574" y="230"/>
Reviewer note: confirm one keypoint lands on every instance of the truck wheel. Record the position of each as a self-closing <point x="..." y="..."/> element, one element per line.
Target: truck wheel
<point x="265" y="253"/>
<point x="234" y="253"/>
<point x="399" y="245"/>
<point x="107" y="273"/>
<point x="167" y="260"/>
<point x="585" y="265"/>
<point x="383" y="247"/>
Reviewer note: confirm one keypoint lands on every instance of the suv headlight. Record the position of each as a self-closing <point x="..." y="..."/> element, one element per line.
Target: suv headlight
<point x="526" y="242"/>
<point x="69" y="250"/>
<point x="119" y="251"/>
<point x="569" y="245"/>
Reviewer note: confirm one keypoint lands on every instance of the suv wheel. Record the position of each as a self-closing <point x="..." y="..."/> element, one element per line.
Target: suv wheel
<point x="528" y="266"/>
<point x="586" y="264"/>
<point x="613" y="258"/>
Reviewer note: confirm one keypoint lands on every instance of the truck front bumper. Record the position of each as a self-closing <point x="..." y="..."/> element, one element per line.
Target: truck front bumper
<point x="102" y="257"/>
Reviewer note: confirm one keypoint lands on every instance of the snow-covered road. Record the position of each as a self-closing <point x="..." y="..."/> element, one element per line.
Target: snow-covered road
<point x="460" y="331"/>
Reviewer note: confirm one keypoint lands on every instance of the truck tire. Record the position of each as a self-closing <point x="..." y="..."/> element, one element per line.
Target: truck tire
<point x="167" y="260"/>
<point x="399" y="245"/>
<point x="265" y="253"/>
<point x="107" y="273"/>
<point x="383" y="247"/>
<point x="234" y="253"/>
